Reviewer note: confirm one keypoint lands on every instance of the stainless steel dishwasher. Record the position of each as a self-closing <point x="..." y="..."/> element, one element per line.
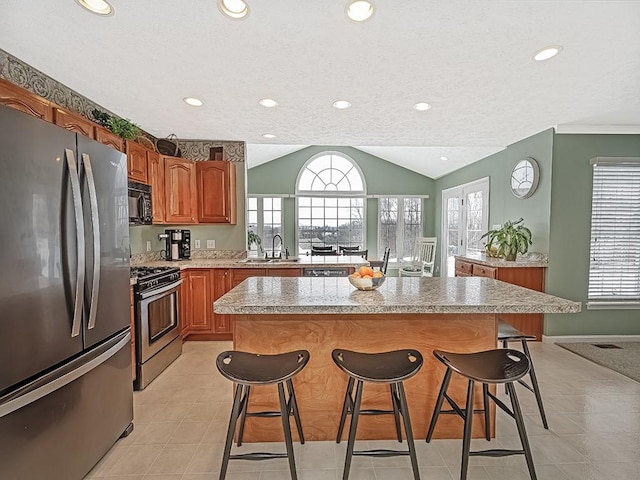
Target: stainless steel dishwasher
<point x="325" y="272"/>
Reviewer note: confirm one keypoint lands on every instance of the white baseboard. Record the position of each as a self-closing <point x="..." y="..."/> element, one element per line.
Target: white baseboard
<point x="589" y="338"/>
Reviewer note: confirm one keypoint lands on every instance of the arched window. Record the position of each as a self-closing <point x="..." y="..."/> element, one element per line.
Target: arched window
<point x="330" y="195"/>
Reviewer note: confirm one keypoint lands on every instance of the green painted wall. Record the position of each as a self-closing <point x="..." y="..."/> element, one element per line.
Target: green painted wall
<point x="568" y="272"/>
<point x="381" y="178"/>
<point x="227" y="237"/>
<point x="503" y="205"/>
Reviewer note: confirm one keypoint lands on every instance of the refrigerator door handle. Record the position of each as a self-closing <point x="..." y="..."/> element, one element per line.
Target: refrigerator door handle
<point x="77" y="207"/>
<point x="95" y="225"/>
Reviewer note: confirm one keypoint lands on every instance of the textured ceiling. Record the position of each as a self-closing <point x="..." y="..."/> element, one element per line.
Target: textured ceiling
<point x="472" y="60"/>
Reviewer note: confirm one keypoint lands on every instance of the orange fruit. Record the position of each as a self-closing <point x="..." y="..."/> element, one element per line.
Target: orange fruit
<point x="378" y="275"/>
<point x="355" y="275"/>
<point x="366" y="271"/>
<point x="366" y="276"/>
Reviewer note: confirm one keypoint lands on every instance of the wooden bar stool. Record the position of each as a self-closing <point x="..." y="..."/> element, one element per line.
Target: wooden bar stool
<point x="246" y="369"/>
<point x="388" y="367"/>
<point x="508" y="333"/>
<point x="490" y="367"/>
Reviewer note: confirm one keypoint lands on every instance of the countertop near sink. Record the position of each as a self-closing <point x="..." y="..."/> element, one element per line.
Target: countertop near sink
<point x="302" y="262"/>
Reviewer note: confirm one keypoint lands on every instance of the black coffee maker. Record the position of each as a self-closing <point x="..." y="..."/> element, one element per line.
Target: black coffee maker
<point x="178" y="244"/>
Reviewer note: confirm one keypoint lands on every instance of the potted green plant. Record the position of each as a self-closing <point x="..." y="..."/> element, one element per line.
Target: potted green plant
<point x="509" y="240"/>
<point x="120" y="126"/>
<point x="253" y="237"/>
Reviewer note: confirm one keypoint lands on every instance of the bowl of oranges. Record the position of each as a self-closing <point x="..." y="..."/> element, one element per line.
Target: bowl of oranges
<point x="365" y="278"/>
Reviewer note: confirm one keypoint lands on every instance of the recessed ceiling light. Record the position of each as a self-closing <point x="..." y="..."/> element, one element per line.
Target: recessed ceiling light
<point x="342" y="104"/>
<point x="268" y="135"/>
<point x="422" y="106"/>
<point x="360" y="10"/>
<point x="194" y="102"/>
<point x="99" y="7"/>
<point x="444" y="159"/>
<point x="235" y="9"/>
<point x="547" y="52"/>
<point x="268" y="102"/>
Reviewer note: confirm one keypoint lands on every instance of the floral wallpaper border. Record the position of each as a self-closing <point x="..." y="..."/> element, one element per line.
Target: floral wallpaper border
<point x="19" y="73"/>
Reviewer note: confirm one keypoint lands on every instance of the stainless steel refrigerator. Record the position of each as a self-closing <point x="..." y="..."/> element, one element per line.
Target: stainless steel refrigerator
<point x="65" y="355"/>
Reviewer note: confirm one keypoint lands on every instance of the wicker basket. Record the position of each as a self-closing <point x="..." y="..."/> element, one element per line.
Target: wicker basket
<point x="168" y="146"/>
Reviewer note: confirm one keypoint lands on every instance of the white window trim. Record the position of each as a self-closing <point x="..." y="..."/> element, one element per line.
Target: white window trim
<point x="484" y="184"/>
<point x="606" y="302"/>
<point x="333" y="194"/>
<point x="260" y="212"/>
<point x="400" y="225"/>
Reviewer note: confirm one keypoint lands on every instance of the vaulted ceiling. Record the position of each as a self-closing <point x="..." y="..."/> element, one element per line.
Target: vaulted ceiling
<point x="472" y="61"/>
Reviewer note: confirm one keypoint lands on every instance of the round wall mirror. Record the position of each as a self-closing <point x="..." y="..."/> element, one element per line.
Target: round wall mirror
<point x="524" y="177"/>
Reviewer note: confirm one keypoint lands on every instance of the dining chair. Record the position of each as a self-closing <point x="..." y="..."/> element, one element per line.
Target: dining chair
<point x="323" y="250"/>
<point x="423" y="260"/>
<point x="344" y="249"/>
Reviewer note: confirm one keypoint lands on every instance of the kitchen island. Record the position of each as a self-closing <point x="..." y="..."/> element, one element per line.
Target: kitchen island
<point x="273" y="315"/>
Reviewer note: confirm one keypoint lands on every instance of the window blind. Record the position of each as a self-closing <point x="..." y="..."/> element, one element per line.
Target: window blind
<point x="614" y="267"/>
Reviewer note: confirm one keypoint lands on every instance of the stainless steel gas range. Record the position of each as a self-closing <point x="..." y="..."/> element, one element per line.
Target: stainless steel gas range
<point x="158" y="341"/>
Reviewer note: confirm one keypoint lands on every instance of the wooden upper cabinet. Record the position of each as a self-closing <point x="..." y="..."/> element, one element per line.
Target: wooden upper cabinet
<point x="216" y="192"/>
<point x="73" y="122"/>
<point x="180" y="191"/>
<point x="137" y="162"/>
<point x="23" y="100"/>
<point x="155" y="164"/>
<point x="106" y="137"/>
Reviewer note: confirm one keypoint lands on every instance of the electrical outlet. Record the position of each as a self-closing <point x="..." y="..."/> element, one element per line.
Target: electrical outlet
<point x="196" y="244"/>
<point x="148" y="245"/>
<point x="211" y="244"/>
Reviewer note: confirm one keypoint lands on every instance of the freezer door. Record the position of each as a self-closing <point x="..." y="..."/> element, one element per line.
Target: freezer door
<point x="103" y="177"/>
<point x="38" y="247"/>
<point x="59" y="426"/>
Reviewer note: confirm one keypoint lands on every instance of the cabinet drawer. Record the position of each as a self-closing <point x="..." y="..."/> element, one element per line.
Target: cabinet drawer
<point x="482" y="271"/>
<point x="463" y="269"/>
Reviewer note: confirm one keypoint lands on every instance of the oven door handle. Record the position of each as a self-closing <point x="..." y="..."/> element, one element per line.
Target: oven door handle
<point x="159" y="291"/>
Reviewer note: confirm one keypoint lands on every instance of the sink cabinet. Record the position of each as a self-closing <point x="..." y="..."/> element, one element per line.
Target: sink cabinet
<point x="525" y="276"/>
<point x="201" y="287"/>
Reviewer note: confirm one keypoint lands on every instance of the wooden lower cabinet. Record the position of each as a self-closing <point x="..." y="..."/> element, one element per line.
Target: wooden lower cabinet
<point x="201" y="287"/>
<point x="133" y="337"/>
<point x="221" y="285"/>
<point x="528" y="277"/>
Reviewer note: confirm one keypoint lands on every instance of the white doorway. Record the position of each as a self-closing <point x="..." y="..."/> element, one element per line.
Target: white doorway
<point x="465" y="217"/>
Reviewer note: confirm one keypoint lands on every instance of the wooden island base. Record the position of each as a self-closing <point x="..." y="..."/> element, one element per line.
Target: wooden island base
<point x="320" y="388"/>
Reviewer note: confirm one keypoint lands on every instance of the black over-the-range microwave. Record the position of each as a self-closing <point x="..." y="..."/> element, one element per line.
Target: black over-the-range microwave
<point x="140" y="211"/>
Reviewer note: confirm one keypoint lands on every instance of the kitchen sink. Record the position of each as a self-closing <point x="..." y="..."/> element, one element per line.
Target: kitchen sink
<point x="270" y="260"/>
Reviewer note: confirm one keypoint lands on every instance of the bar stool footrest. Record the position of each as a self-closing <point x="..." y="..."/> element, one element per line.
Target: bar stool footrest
<point x="257" y="456"/>
<point x="381" y="453"/>
<point x="497" y="452"/>
<point x="264" y="414"/>
<point x="376" y="412"/>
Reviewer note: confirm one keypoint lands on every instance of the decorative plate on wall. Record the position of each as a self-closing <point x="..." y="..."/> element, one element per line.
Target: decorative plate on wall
<point x="524" y="178"/>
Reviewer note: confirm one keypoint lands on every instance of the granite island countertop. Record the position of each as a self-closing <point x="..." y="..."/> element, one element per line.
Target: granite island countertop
<point x="308" y="295"/>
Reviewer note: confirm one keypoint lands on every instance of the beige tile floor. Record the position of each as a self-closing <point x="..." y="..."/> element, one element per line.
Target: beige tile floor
<point x="181" y="418"/>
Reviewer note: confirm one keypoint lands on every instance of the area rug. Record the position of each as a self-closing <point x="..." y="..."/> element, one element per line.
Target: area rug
<point x="624" y="359"/>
